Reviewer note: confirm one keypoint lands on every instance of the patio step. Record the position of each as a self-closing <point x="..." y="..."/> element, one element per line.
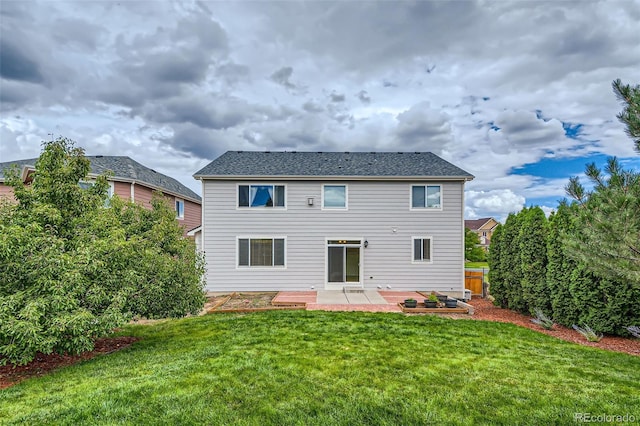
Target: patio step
<point x="355" y="288"/>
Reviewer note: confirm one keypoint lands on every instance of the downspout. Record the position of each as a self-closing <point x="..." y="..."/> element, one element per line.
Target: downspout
<point x="202" y="215"/>
<point x="463" y="232"/>
<point x="202" y="233"/>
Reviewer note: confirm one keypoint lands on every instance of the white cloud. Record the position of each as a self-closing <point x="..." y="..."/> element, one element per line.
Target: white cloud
<point x="188" y="80"/>
<point x="548" y="210"/>
<point x="497" y="203"/>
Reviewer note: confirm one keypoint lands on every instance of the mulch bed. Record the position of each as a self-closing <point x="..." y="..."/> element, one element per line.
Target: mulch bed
<point x="484" y="310"/>
<point x="43" y="364"/>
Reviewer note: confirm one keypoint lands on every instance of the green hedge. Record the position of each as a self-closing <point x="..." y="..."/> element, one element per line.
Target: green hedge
<point x="530" y="267"/>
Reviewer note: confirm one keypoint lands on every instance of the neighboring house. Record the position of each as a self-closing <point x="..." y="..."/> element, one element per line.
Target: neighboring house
<point x="483" y="228"/>
<point x="130" y="180"/>
<point x="196" y="233"/>
<point x="326" y="220"/>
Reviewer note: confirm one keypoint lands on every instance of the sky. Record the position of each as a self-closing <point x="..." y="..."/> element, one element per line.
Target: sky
<point x="517" y="93"/>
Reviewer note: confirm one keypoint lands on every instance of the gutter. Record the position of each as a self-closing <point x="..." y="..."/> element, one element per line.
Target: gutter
<point x="333" y="178"/>
<point x="154" y="187"/>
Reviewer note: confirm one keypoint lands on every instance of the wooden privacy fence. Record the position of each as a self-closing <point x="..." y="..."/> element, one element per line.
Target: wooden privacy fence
<point x="473" y="280"/>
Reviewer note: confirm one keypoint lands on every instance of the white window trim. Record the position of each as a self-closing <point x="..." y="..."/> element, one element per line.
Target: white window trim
<point x="90" y="182"/>
<point x="423" y="209"/>
<point x="111" y="189"/>
<point x="421" y="262"/>
<point x="184" y="206"/>
<point x="262" y="209"/>
<point x="260" y="237"/>
<point x="346" y="197"/>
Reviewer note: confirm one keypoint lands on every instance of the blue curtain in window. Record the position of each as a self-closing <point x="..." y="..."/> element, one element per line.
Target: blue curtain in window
<point x="261" y="196"/>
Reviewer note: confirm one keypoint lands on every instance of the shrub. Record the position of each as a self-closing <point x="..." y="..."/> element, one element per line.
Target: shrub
<point x="542" y="320"/>
<point x="634" y="330"/>
<point x="588" y="333"/>
<point x="72" y="270"/>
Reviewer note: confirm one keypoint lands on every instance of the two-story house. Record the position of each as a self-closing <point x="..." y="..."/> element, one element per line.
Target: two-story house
<point x="129" y="180"/>
<point x="326" y="220"/>
<point x="483" y="228"/>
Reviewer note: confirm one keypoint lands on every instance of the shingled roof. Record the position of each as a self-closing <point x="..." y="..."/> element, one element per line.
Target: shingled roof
<point x="123" y="168"/>
<point x="335" y="164"/>
<point x="475" y="224"/>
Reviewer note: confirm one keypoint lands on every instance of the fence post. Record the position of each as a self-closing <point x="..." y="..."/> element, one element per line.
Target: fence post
<point x="484" y="286"/>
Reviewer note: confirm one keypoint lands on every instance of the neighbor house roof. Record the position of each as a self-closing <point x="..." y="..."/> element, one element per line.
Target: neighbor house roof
<point x="331" y="164"/>
<point x="124" y="169"/>
<point x="475" y="224"/>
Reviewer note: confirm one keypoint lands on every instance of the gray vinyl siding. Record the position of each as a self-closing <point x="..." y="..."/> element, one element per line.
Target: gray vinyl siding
<point x="375" y="209"/>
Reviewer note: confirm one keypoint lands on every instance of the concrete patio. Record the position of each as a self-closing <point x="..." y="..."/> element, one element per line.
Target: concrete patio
<point x="336" y="300"/>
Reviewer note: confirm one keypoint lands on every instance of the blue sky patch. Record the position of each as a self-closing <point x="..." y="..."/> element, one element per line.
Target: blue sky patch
<point x="554" y="168"/>
<point x="572" y="131"/>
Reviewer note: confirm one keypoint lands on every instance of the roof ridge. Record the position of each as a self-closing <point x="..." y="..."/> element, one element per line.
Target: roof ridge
<point x="124" y="167"/>
<point x="364" y="164"/>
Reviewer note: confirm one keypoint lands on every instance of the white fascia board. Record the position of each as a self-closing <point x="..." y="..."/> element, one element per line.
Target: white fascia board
<point x="148" y="185"/>
<point x="333" y="178"/>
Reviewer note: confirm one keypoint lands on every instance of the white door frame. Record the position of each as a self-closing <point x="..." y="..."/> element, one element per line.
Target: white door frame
<point x="349" y="242"/>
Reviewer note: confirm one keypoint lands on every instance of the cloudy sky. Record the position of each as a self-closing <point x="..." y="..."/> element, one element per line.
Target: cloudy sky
<point x="517" y="93"/>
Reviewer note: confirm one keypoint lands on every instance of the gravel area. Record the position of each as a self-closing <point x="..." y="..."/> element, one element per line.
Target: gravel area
<point x="240" y="301"/>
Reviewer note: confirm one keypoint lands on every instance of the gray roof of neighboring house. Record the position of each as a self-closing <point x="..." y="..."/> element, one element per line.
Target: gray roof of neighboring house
<point x="123" y="168"/>
<point x="347" y="164"/>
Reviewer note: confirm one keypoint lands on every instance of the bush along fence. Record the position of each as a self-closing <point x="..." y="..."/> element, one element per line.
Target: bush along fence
<point x="531" y="269"/>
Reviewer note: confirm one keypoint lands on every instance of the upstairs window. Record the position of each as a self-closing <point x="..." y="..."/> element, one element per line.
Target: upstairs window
<point x="86" y="184"/>
<point x="426" y="196"/>
<point x="179" y="209"/>
<point x="261" y="196"/>
<point x="334" y="196"/>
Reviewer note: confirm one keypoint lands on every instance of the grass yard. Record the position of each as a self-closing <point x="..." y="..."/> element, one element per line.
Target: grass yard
<point x="477" y="265"/>
<point x="325" y="368"/>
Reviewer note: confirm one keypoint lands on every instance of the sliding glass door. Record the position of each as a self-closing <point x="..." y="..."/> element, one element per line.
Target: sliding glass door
<point x="343" y="261"/>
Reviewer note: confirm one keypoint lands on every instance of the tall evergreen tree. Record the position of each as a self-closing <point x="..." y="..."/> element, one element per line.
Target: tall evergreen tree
<point x="560" y="267"/>
<point x="512" y="267"/>
<point x="533" y="259"/>
<point x="496" y="271"/>
<point x="630" y="115"/>
<point x="608" y="219"/>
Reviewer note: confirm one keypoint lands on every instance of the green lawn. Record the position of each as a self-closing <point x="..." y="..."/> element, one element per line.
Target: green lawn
<point x="323" y="368"/>
<point x="476" y="265"/>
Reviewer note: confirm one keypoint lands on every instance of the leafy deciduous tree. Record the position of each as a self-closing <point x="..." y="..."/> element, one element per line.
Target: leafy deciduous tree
<point x="472" y="250"/>
<point x="71" y="270"/>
